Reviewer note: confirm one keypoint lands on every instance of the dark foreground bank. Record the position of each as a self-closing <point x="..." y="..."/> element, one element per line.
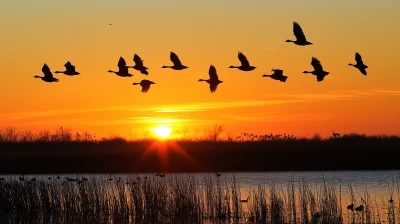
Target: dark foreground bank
<point x="111" y="156"/>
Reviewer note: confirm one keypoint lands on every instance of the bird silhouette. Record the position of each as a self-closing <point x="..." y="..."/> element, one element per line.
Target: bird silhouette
<point x="48" y="76"/>
<point x="213" y="81"/>
<point x="145" y="84"/>
<point x="360" y="64"/>
<point x="70" y="70"/>
<point x="139" y="65"/>
<point x="300" y="37"/>
<point x="359" y="208"/>
<point x="318" y="70"/>
<point x="277" y="75"/>
<point x="176" y="61"/>
<point x="244" y="200"/>
<point x="122" y="68"/>
<point x="245" y="65"/>
<point x="350" y="207"/>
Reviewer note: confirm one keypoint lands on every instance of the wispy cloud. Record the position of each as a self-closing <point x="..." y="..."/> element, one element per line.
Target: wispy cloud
<point x="123" y="114"/>
<point x="387" y="91"/>
<point x="50" y="113"/>
<point x="177" y="111"/>
<point x="198" y="107"/>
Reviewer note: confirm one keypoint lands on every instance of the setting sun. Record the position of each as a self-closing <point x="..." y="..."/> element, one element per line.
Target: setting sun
<point x="162" y="132"/>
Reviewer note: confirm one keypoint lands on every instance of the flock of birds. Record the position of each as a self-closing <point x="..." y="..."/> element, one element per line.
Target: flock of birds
<point x="213" y="81"/>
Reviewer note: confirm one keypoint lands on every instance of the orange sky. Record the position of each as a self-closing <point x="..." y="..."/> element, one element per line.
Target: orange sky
<point x="201" y="33"/>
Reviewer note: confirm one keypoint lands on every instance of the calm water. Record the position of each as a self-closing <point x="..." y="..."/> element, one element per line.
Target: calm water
<point x="376" y="187"/>
<point x="376" y="182"/>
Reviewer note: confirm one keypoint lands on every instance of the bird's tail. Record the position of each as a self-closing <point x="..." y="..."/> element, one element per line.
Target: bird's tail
<point x="283" y="78"/>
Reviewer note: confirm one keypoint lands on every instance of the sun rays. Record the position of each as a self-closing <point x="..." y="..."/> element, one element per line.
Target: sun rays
<point x="163" y="150"/>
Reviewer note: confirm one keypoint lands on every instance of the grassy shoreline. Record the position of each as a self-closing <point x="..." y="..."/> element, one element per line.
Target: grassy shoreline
<point x="185" y="199"/>
<point x="63" y="152"/>
<point x="121" y="156"/>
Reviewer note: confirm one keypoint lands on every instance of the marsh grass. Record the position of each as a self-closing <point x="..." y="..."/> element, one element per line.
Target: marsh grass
<point x="186" y="199"/>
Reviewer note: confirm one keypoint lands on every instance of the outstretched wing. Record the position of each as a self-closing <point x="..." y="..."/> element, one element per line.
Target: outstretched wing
<point x="145" y="86"/>
<point x="69" y="67"/>
<point x="298" y="32"/>
<point x="213" y="87"/>
<point x="278" y="72"/>
<point x="121" y="62"/>
<point x="283" y="78"/>
<point x="175" y="59"/>
<point x="359" y="59"/>
<point x="316" y="64"/>
<point x="144" y="71"/>
<point x="212" y="72"/>
<point x="243" y="59"/>
<point x="138" y="61"/>
<point x="46" y="71"/>
<point x="363" y="71"/>
<point x="320" y="78"/>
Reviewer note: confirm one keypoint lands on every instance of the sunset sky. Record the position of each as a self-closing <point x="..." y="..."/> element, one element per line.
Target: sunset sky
<point x="202" y="33"/>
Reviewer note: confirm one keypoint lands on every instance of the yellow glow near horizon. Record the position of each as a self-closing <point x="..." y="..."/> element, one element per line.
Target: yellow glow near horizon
<point x="162" y="131"/>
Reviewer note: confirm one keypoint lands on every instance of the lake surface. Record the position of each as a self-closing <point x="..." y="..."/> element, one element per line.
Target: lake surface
<point x="377" y="183"/>
<point x="372" y="189"/>
<point x="377" y="180"/>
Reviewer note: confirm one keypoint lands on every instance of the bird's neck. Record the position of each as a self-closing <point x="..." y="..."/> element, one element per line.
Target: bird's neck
<point x="58" y="72"/>
<point x="166" y="66"/>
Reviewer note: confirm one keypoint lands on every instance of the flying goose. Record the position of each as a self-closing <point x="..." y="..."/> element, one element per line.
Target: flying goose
<point x="318" y="70"/>
<point x="245" y="65"/>
<point x="48" y="76"/>
<point x="360" y="64"/>
<point x="139" y="65"/>
<point x="277" y="75"/>
<point x="145" y="84"/>
<point x="300" y="37"/>
<point x="122" y="68"/>
<point x="177" y="63"/>
<point x="70" y="70"/>
<point x="213" y="81"/>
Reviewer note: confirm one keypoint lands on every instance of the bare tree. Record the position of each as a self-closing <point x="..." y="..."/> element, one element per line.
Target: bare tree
<point x="44" y="136"/>
<point x="26" y="136"/>
<point x="10" y="135"/>
<point x="214" y="133"/>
